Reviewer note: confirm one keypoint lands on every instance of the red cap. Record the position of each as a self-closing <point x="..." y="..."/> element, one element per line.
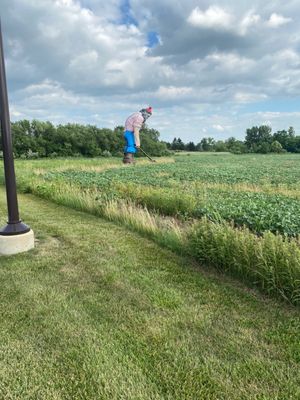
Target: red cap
<point x="149" y="110"/>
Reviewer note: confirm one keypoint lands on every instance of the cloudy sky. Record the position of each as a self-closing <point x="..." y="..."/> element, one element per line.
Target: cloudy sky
<point x="208" y="68"/>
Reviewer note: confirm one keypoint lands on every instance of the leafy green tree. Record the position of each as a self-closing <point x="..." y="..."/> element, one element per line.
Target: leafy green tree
<point x="257" y="138"/>
<point x="220" y="146"/>
<point x="291" y="132"/>
<point x="276" y="147"/>
<point x="199" y="147"/>
<point x="231" y="142"/>
<point x="178" y="144"/>
<point x="207" y="144"/>
<point x="265" y="134"/>
<point x="23" y="140"/>
<point x="151" y="144"/>
<point x="294" y="145"/>
<point x="43" y="139"/>
<point x="282" y="137"/>
<point x="286" y="139"/>
<point x="263" y="148"/>
<point x="190" y="146"/>
<point x="44" y="134"/>
<point x="251" y="139"/>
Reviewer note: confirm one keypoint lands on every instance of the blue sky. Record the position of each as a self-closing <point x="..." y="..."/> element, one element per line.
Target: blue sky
<point x="127" y="17"/>
<point x="153" y="39"/>
<point x="208" y="68"/>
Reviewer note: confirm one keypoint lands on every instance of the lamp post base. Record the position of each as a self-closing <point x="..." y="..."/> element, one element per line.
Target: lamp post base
<point x="15" y="244"/>
<point x="18" y="228"/>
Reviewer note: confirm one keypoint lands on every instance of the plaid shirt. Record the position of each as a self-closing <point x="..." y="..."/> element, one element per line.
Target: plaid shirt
<point x="135" y="120"/>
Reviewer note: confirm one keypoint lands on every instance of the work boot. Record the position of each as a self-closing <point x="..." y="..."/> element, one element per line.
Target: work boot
<point x="128" y="158"/>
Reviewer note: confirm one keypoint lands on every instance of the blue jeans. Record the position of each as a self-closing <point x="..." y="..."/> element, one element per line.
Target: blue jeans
<point x="130" y="143"/>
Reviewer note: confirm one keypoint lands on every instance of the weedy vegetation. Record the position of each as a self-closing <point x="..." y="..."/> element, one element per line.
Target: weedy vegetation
<point x="239" y="214"/>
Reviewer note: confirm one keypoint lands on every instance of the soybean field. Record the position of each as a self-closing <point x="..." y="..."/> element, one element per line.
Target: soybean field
<point x="260" y="192"/>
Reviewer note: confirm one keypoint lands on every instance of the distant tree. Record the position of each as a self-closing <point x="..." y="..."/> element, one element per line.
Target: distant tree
<point x="178" y="144"/>
<point x="230" y="142"/>
<point x="276" y="147"/>
<point x="263" y="147"/>
<point x="117" y="141"/>
<point x="291" y="131"/>
<point x="294" y="145"/>
<point x="199" y="147"/>
<point x="151" y="143"/>
<point x="43" y="139"/>
<point x="258" y="137"/>
<point x="190" y="146"/>
<point x="220" y="146"/>
<point x="169" y="145"/>
<point x="282" y="137"/>
<point x="23" y="140"/>
<point x="174" y="144"/>
<point x="207" y="144"/>
<point x="44" y="133"/>
<point x="236" y="146"/>
<point x="251" y="139"/>
<point x="286" y="139"/>
<point x="265" y="133"/>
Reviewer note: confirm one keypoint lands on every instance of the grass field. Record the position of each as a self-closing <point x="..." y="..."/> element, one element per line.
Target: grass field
<point x="239" y="214"/>
<point x="99" y="312"/>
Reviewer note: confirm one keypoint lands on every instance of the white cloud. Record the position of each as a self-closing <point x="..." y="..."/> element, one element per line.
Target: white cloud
<point x="213" y="17"/>
<point x="289" y="54"/>
<point x="173" y="92"/>
<point x="277" y="20"/>
<point x="218" y="18"/>
<point x="230" y="61"/>
<point x="49" y="93"/>
<point x="250" y="19"/>
<point x="244" y="97"/>
<point x="16" y="114"/>
<point x="82" y="61"/>
<point x="219" y="128"/>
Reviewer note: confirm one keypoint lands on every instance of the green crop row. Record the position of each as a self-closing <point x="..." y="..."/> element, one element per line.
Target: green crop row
<point x="260" y="212"/>
<point x="269" y="170"/>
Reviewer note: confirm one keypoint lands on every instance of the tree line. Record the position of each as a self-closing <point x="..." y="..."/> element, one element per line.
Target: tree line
<point x="259" y="139"/>
<point x="34" y="139"/>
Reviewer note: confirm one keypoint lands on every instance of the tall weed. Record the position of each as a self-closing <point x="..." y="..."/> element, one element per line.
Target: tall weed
<point x="271" y="262"/>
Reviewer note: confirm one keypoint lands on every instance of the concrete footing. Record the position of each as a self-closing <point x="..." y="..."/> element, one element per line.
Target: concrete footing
<point x="15" y="244"/>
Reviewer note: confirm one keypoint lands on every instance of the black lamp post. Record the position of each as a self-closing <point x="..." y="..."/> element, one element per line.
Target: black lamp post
<point x="14" y="225"/>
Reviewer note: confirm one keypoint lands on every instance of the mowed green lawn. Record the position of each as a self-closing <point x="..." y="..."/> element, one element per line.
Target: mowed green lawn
<point x="97" y="312"/>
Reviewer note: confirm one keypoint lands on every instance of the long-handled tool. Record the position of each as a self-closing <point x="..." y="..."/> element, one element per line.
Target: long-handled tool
<point x="147" y="155"/>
